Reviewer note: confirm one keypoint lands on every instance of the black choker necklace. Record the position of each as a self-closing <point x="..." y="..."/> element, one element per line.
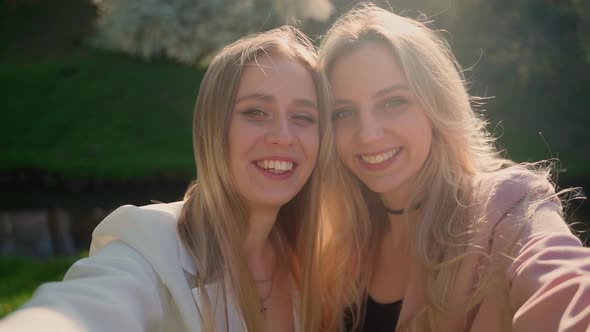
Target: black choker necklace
<point x="392" y="211"/>
<point x="399" y="211"/>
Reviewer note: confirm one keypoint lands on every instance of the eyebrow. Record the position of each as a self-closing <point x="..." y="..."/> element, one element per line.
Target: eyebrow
<point x="257" y="96"/>
<point x="305" y="103"/>
<point x="390" y="89"/>
<point x="301" y="102"/>
<point x="378" y="94"/>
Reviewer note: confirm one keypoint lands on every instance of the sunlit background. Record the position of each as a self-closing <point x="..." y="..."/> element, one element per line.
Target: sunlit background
<point x="97" y="98"/>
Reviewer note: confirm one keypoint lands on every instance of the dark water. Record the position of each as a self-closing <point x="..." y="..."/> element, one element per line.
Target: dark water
<point x="41" y="217"/>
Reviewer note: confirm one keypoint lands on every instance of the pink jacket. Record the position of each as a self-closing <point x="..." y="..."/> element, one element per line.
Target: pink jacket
<point x="547" y="284"/>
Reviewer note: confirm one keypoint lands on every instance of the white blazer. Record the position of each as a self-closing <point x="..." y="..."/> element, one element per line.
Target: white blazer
<point x="136" y="278"/>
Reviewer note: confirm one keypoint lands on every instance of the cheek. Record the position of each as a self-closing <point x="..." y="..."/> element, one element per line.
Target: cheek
<point x="311" y="142"/>
<point x="241" y="136"/>
<point x="239" y="146"/>
<point x="234" y="157"/>
<point x="233" y="133"/>
<point x="424" y="138"/>
<point x="426" y="131"/>
<point x="233" y="148"/>
<point x="342" y="140"/>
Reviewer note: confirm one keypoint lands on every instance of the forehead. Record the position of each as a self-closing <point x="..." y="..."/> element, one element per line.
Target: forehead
<point x="274" y="72"/>
<point x="367" y="68"/>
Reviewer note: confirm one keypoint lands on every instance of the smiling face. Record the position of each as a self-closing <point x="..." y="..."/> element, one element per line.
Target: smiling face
<point x="274" y="131"/>
<point x="381" y="131"/>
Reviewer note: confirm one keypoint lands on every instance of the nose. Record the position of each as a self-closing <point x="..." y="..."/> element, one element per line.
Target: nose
<point x="280" y="133"/>
<point x="369" y="128"/>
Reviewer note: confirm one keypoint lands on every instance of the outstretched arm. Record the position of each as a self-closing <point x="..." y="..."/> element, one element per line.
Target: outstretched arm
<point x="114" y="290"/>
<point x="550" y="278"/>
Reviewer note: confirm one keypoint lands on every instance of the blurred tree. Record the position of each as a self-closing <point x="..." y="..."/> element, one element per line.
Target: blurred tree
<point x="192" y="31"/>
<point x="318" y="10"/>
<point x="532" y="55"/>
<point x="582" y="8"/>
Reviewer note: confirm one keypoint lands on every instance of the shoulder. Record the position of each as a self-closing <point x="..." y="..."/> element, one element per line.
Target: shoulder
<point x="500" y="191"/>
<point x="518" y="204"/>
<point x="149" y="230"/>
<point x="131" y="223"/>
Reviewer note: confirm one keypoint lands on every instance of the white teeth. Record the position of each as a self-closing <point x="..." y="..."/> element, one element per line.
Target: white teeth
<point x="380" y="157"/>
<point x="275" y="166"/>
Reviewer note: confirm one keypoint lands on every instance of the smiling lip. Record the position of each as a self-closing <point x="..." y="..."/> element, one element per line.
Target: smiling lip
<point x="379" y="160"/>
<point x="276" y="168"/>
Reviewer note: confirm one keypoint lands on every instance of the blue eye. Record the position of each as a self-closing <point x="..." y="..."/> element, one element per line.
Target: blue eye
<point x="342" y="114"/>
<point x="394" y="102"/>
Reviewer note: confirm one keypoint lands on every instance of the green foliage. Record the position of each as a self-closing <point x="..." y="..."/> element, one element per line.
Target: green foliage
<point x="99" y="114"/>
<point x="532" y="61"/>
<point x="77" y="111"/>
<point x="582" y="8"/>
<point x="21" y="276"/>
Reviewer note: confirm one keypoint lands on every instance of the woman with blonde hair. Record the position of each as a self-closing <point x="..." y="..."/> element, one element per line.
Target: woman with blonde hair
<point x="431" y="229"/>
<point x="239" y="252"/>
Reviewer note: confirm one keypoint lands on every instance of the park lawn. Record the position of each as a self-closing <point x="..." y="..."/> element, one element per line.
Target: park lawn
<point x="21" y="276"/>
<point x="99" y="114"/>
<point x="73" y="110"/>
<point x="106" y="115"/>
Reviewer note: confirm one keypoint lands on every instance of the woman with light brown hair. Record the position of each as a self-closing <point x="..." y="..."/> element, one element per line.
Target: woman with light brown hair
<point x="239" y="253"/>
<point x="431" y="229"/>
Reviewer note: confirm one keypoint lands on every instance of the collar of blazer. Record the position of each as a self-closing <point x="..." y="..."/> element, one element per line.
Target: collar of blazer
<point x="223" y="306"/>
<point x="227" y="316"/>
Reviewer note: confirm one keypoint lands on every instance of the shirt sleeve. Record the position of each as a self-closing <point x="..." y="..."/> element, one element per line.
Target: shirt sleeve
<point x="114" y="290"/>
<point x="549" y="279"/>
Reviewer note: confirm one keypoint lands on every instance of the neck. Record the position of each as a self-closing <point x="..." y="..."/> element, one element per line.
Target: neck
<point x="395" y="199"/>
<point x="257" y="245"/>
<point x="399" y="223"/>
<point x="398" y="230"/>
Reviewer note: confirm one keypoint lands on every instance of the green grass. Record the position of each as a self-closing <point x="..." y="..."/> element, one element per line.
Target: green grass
<point x="74" y="110"/>
<point x="98" y="114"/>
<point x="21" y="276"/>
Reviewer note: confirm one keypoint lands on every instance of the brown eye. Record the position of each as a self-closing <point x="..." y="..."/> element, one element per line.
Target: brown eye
<point x="254" y="113"/>
<point x="305" y="119"/>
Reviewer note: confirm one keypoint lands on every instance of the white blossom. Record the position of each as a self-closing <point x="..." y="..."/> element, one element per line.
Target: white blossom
<point x="190" y="31"/>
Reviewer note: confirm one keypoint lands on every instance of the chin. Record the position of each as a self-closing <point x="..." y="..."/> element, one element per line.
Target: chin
<point x="274" y="201"/>
<point x="381" y="188"/>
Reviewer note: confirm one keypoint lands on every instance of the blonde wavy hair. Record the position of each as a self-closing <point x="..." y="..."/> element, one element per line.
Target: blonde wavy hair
<point x="462" y="149"/>
<point x="213" y="220"/>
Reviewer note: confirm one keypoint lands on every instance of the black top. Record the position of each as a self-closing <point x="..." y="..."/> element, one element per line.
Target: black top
<point x="378" y="317"/>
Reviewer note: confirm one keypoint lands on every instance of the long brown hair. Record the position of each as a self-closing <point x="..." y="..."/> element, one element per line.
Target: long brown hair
<point x="461" y="149"/>
<point x="213" y="220"/>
